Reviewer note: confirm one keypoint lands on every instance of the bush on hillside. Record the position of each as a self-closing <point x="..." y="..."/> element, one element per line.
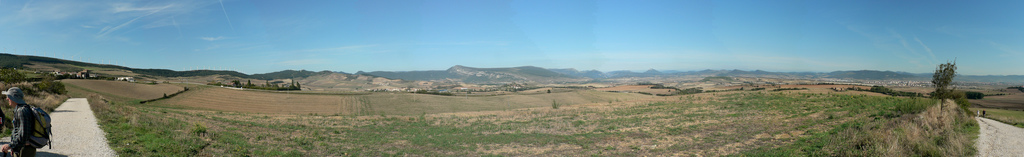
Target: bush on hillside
<point x="974" y="95"/>
<point x="50" y="86"/>
<point x="887" y="91"/>
<point x="11" y="76"/>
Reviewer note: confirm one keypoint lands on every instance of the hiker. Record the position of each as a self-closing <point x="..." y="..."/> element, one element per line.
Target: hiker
<point x="23" y="125"/>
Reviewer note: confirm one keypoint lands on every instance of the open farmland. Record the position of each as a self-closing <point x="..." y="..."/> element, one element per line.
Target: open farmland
<point x="1014" y="101"/>
<point x="824" y="86"/>
<point x="638" y="88"/>
<point x="126" y="89"/>
<point x="224" y="99"/>
<point x="705" y="124"/>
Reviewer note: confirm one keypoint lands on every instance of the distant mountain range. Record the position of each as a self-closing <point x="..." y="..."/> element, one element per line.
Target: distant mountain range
<point x="481" y="75"/>
<point x="514" y="74"/>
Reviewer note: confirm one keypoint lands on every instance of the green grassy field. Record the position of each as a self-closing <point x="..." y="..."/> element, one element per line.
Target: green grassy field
<point x="742" y="123"/>
<point x="1015" y="118"/>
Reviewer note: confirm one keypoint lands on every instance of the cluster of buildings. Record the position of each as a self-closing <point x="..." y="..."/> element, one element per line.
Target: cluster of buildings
<point x="80" y="74"/>
<point x="901" y="83"/>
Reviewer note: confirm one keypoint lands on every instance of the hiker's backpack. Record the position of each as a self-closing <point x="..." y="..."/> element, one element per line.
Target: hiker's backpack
<point x="41" y="136"/>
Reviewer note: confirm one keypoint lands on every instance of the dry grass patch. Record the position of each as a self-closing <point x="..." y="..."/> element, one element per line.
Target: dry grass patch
<point x="705" y="124"/>
<point x="701" y="124"/>
<point x="926" y="130"/>
<point x="224" y="99"/>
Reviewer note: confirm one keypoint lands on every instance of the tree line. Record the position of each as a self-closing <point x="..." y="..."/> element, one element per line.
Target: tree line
<point x="266" y="86"/>
<point x="48" y="83"/>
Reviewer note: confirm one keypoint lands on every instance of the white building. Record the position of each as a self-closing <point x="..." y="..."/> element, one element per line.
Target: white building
<point x="129" y="79"/>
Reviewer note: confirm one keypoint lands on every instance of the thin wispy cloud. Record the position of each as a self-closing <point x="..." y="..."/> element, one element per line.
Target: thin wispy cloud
<point x="226" y="14"/>
<point x="1007" y="50"/>
<point x="926" y="48"/>
<point x="175" y="22"/>
<point x="104" y="19"/>
<point x="108" y="29"/>
<point x="128" y="7"/>
<point x="912" y="55"/>
<point x="32" y="12"/>
<point x="25" y="7"/>
<point x="212" y="38"/>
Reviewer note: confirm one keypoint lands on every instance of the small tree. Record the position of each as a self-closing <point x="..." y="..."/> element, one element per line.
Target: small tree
<point x="49" y="85"/>
<point x="943" y="80"/>
<point x="11" y="76"/>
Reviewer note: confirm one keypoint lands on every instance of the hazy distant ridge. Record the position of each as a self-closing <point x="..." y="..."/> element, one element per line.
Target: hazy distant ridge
<point x="517" y="74"/>
<point x="480" y="75"/>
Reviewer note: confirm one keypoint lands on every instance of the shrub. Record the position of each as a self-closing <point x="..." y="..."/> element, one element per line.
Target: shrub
<point x="11" y="76"/>
<point x="782" y="89"/>
<point x="434" y="92"/>
<point x="199" y="129"/>
<point x="50" y="86"/>
<point x="974" y="95"/>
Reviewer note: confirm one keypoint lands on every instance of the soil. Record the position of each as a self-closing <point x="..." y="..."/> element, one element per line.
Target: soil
<point x="126" y="89"/>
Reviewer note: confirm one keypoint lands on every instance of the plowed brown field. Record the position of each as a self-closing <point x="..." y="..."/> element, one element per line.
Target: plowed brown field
<point x="126" y="89"/>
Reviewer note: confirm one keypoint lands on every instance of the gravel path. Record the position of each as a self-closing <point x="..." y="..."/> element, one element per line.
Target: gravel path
<point x="999" y="139"/>
<point x="75" y="132"/>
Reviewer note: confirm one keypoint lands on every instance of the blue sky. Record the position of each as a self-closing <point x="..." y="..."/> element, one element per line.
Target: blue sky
<point x="985" y="37"/>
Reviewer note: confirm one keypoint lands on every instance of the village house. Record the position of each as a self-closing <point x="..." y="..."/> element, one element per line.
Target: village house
<point x="129" y="79"/>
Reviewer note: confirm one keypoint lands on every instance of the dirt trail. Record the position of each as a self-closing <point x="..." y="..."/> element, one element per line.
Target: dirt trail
<point x="999" y="139"/>
<point x="75" y="132"/>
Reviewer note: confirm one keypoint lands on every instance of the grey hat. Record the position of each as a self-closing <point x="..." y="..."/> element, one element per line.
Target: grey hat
<point x="15" y="95"/>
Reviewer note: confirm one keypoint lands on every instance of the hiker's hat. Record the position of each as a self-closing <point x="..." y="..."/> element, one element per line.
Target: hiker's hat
<point x="15" y="95"/>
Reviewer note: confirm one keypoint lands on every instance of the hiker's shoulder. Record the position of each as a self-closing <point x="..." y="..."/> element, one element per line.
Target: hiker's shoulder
<point x="24" y="108"/>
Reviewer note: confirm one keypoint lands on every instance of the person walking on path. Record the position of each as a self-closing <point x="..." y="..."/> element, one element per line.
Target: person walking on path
<point x="23" y="125"/>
